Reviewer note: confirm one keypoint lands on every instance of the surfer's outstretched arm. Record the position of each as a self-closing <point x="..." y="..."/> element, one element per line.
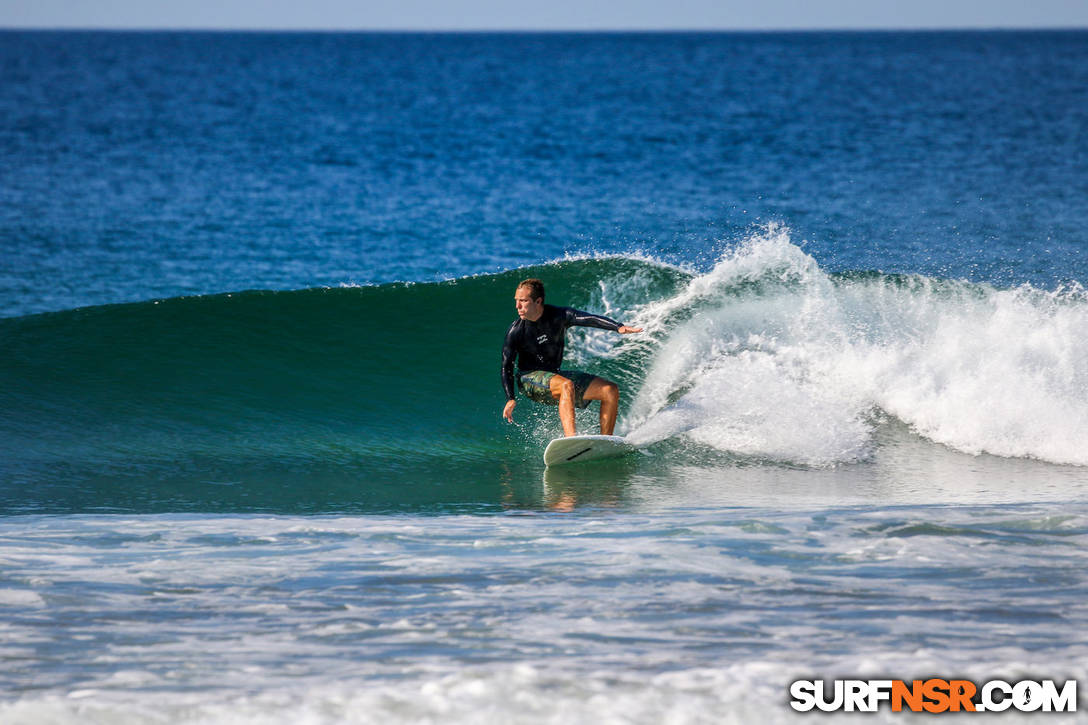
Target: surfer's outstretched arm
<point x="578" y="318"/>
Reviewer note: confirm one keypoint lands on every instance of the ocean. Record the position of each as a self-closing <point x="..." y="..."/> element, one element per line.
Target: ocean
<point x="253" y="292"/>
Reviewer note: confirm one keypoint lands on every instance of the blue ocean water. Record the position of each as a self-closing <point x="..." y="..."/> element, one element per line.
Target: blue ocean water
<point x="252" y="292"/>
<point x="153" y="165"/>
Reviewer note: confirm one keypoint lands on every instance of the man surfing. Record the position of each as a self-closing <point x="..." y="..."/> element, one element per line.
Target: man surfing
<point x="536" y="341"/>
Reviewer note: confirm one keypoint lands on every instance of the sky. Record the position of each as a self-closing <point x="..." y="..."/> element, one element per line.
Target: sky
<point x="542" y="14"/>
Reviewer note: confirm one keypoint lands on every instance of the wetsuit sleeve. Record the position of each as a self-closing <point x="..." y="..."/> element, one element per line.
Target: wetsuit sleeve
<point x="509" y="352"/>
<point x="577" y="318"/>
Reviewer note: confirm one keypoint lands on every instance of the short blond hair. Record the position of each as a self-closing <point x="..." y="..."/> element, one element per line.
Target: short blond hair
<point x="536" y="288"/>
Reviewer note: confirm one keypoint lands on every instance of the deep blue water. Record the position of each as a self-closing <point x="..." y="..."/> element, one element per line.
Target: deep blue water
<point x="157" y="164"/>
<point x="252" y="292"/>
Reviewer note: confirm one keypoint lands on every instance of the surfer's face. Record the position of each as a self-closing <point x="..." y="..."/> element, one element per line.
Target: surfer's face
<point x="528" y="308"/>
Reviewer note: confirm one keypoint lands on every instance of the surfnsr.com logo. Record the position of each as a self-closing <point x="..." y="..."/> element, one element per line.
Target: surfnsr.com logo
<point x="933" y="695"/>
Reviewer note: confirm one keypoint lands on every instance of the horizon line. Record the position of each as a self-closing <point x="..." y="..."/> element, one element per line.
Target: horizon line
<point x="547" y="31"/>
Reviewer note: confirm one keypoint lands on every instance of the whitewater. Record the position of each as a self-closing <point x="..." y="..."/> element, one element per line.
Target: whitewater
<point x="783" y="361"/>
<point x="696" y="616"/>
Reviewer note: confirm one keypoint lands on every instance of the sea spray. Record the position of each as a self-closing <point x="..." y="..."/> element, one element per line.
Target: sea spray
<point x="742" y="363"/>
<point x="767" y="355"/>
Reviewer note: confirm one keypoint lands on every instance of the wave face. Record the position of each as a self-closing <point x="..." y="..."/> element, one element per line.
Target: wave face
<point x="389" y="396"/>
<point x="312" y="399"/>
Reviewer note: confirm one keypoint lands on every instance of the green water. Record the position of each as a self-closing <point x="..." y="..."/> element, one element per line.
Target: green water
<point x="382" y="397"/>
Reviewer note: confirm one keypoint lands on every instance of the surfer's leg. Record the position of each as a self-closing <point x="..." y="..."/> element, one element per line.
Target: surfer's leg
<point x="563" y="391"/>
<point x="608" y="393"/>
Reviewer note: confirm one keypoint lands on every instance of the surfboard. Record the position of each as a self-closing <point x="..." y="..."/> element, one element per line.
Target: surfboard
<point x="576" y="449"/>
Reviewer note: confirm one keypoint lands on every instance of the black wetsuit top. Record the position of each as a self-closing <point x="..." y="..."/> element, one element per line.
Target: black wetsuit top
<point x="539" y="345"/>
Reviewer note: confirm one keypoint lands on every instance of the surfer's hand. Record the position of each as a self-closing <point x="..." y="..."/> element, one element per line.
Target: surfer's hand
<point x="625" y="330"/>
<point x="508" y="411"/>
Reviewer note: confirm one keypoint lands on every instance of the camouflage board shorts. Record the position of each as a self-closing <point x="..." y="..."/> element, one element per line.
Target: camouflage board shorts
<point x="536" y="386"/>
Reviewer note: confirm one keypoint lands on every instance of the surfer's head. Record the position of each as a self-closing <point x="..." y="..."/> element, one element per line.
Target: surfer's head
<point x="529" y="299"/>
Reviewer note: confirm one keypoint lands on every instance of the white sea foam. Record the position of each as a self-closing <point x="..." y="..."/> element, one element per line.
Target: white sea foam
<point x="694" y="616"/>
<point x="767" y="355"/>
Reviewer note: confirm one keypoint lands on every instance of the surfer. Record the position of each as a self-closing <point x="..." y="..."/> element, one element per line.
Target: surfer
<point x="536" y="339"/>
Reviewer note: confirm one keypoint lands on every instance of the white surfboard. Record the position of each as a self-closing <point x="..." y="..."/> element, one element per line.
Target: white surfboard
<point x="575" y="449"/>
